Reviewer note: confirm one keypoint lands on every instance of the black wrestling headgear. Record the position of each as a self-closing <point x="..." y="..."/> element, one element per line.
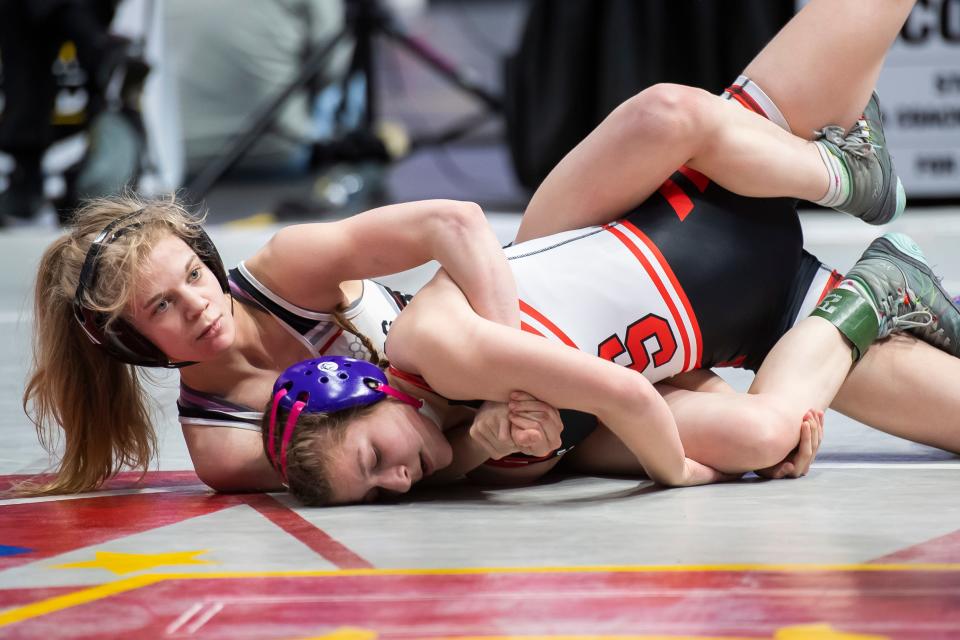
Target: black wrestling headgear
<point x="121" y="340"/>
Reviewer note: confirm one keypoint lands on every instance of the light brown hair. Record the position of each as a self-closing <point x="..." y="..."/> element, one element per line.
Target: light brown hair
<point x="98" y="402"/>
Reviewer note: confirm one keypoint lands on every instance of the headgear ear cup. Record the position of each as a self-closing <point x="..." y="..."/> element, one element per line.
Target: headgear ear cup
<point x="121" y="340"/>
<point x="203" y="246"/>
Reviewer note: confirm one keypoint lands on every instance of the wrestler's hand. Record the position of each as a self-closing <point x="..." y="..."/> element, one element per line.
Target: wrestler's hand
<point x="491" y="429"/>
<point x="535" y="426"/>
<point x="798" y="462"/>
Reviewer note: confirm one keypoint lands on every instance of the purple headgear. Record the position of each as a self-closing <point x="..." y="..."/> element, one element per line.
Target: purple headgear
<point x="325" y="385"/>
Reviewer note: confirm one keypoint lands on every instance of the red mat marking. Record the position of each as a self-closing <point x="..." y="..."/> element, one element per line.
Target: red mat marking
<point x="81" y="522"/>
<point x="945" y="548"/>
<point x="52" y="528"/>
<point x="316" y="539"/>
<point x="19" y="597"/>
<point x="897" y="604"/>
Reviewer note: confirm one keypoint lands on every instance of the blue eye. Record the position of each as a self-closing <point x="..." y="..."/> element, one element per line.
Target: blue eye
<point x="195" y="273"/>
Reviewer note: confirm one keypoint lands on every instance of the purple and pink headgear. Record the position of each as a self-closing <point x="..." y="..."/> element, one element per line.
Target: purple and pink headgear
<point x="325" y="385"/>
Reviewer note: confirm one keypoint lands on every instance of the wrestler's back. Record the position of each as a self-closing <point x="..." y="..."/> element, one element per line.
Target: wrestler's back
<point x="694" y="277"/>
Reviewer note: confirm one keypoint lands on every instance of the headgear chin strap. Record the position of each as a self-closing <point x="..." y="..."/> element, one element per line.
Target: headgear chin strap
<point x="121" y="340"/>
<point x="325" y="385"/>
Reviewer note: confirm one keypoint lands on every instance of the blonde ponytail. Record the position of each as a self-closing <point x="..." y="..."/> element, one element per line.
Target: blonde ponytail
<point x="99" y="403"/>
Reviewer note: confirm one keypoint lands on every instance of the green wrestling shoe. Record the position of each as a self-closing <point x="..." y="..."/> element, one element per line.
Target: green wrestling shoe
<point x="906" y="293"/>
<point x="876" y="194"/>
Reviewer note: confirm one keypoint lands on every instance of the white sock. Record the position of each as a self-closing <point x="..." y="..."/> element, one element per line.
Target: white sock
<point x="838" y="191"/>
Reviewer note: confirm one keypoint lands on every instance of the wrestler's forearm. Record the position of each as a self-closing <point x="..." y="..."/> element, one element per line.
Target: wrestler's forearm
<point x="308" y="263"/>
<point x="467" y="456"/>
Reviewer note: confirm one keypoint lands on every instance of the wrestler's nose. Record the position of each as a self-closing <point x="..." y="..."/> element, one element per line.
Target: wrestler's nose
<point x="397" y="479"/>
<point x="195" y="303"/>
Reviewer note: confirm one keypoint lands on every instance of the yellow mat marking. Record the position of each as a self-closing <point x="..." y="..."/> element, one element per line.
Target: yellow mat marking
<point x="124" y="563"/>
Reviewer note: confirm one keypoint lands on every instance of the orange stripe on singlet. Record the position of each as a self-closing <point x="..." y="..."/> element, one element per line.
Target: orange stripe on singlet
<point x="699" y="180"/>
<point x="684" y="300"/>
<point x="737" y="93"/>
<point x="661" y="288"/>
<point x="835" y="278"/>
<point x="529" y="329"/>
<point x="542" y="319"/>
<point x="739" y="98"/>
<point x="676" y="198"/>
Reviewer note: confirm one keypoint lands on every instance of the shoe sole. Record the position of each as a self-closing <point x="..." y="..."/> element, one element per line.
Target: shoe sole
<point x="893" y="191"/>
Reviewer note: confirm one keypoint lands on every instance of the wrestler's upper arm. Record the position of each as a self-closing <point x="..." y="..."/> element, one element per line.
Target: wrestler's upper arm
<point x="230" y="459"/>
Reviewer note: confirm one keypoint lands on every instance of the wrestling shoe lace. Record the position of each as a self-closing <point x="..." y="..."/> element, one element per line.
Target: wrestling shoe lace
<point x="855" y="142"/>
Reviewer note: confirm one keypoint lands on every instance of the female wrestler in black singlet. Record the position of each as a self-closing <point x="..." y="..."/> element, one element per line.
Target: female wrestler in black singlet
<point x="462" y="369"/>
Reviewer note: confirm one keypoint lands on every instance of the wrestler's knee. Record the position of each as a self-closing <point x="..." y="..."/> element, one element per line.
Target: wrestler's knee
<point x="664" y="111"/>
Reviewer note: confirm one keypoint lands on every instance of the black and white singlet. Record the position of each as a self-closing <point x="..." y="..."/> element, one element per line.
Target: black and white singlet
<point x="695" y="277"/>
<point x="371" y="313"/>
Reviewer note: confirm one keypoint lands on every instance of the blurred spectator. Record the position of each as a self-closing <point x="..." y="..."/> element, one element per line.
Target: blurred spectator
<point x="32" y="33"/>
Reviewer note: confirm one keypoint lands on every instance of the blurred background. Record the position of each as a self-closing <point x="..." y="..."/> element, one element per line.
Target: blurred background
<point x="271" y="111"/>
